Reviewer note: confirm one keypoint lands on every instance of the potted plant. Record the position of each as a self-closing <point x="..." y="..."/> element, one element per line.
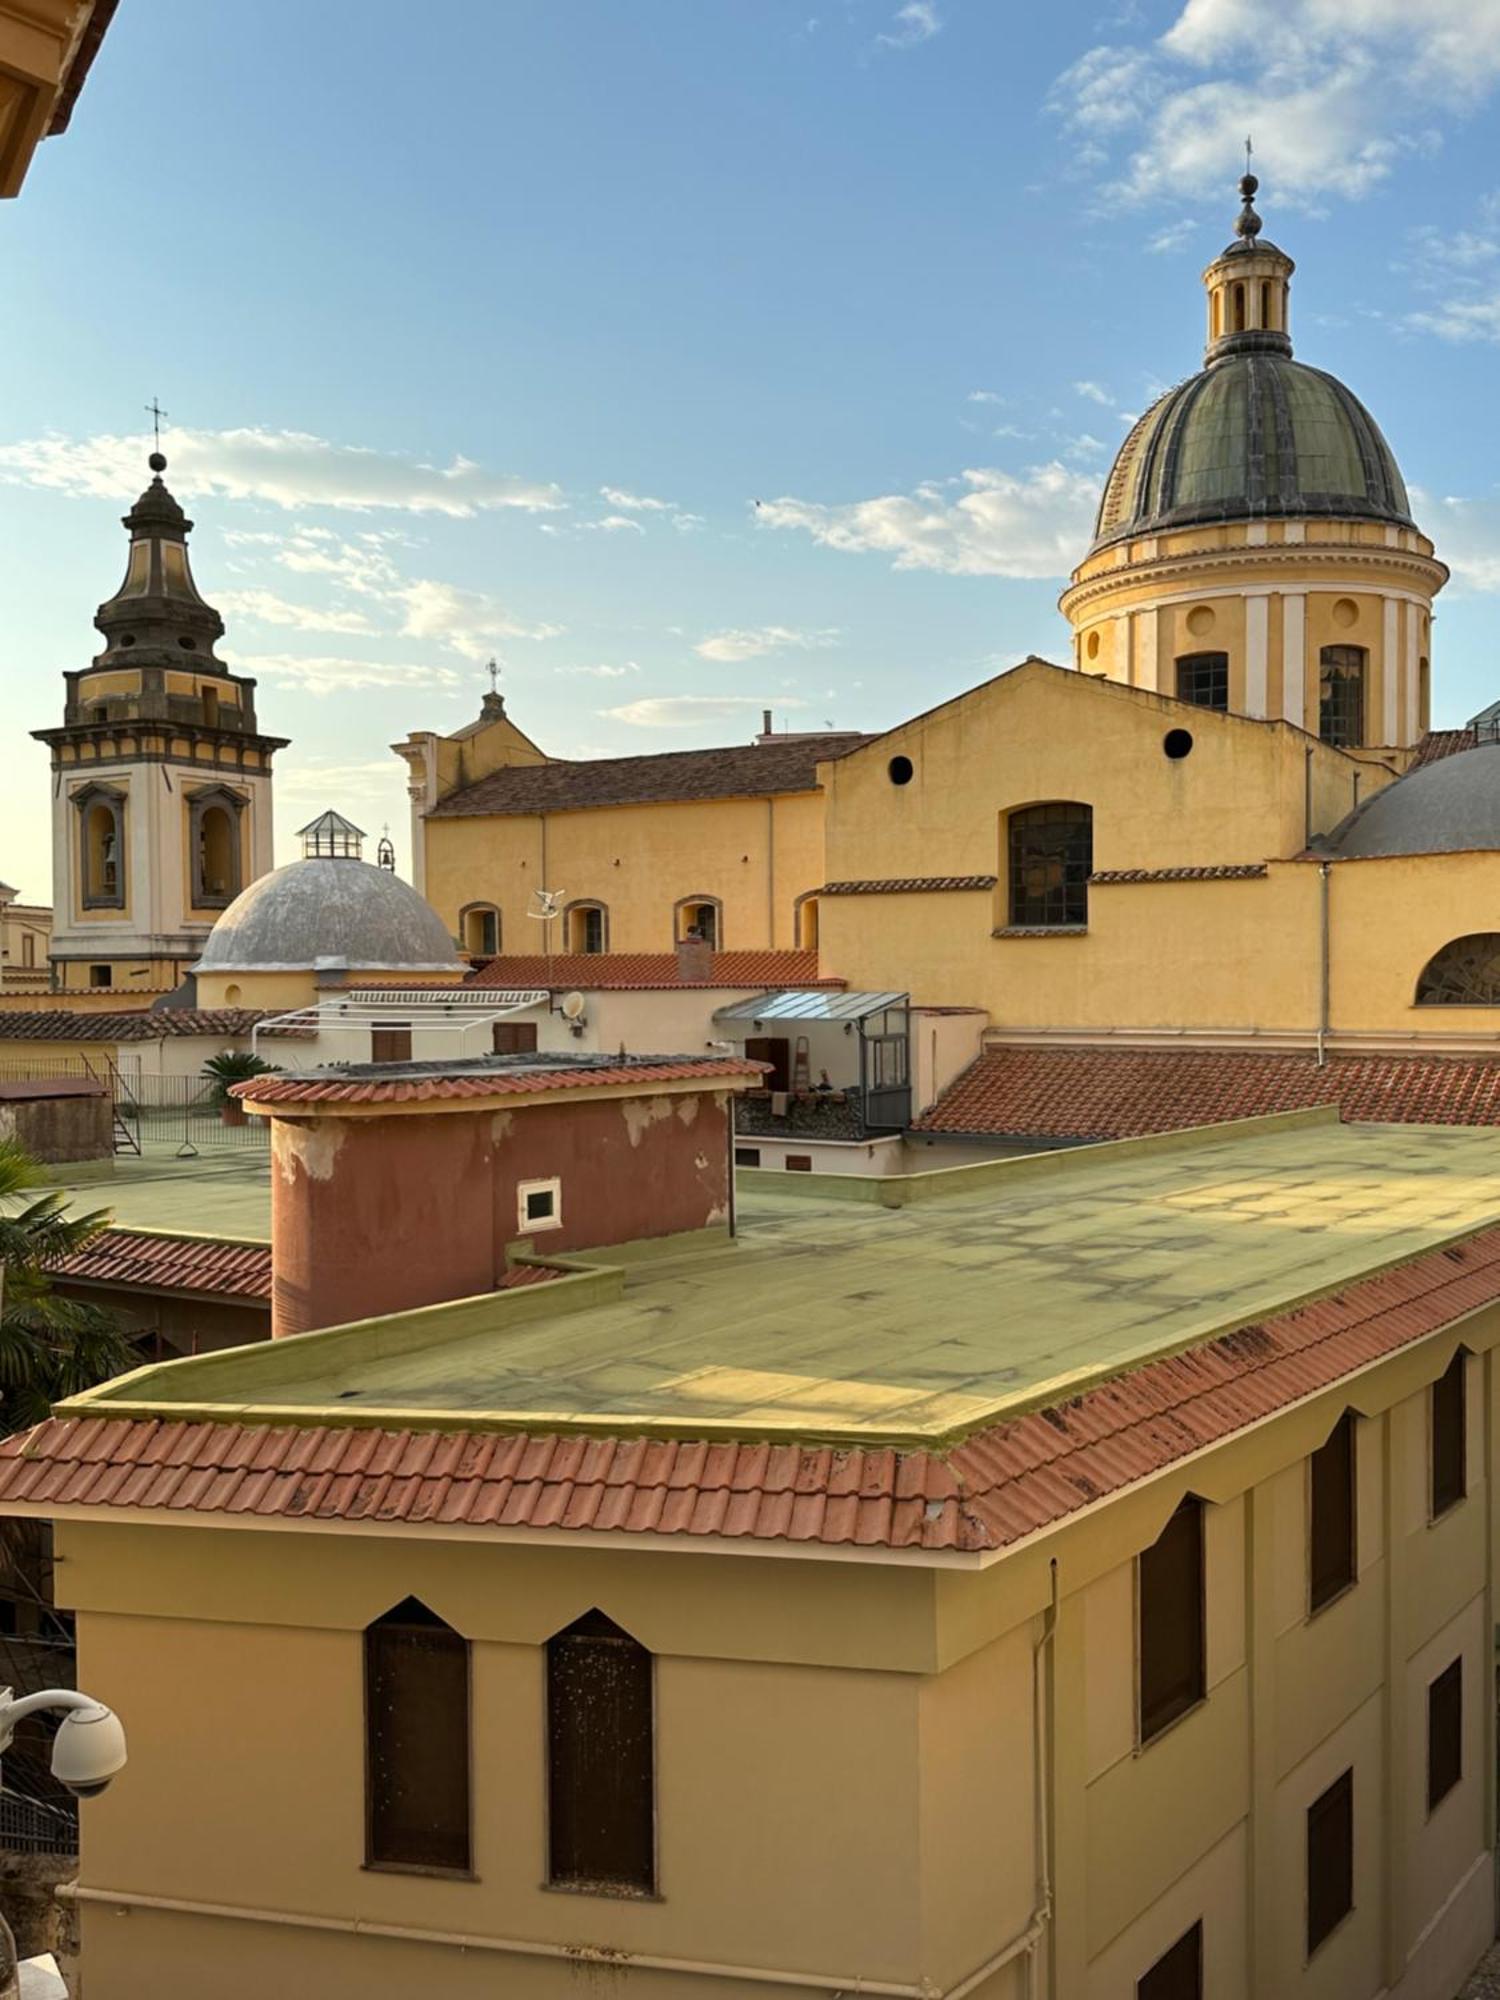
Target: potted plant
<point x="231" y="1067"/>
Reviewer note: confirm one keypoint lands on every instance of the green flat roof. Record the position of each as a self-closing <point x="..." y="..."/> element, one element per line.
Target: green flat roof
<point x="218" y="1194"/>
<point x="1009" y="1285"/>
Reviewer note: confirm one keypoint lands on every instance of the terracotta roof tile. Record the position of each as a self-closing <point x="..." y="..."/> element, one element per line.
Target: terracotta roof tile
<point x="903" y="885"/>
<point x="609" y="971"/>
<point x="1094" y="1093"/>
<point x="313" y="1088"/>
<point x="742" y="770"/>
<point x="58" y="1024"/>
<point x="171" y="1263"/>
<point x="1235" y="871"/>
<point x="1440" y="743"/>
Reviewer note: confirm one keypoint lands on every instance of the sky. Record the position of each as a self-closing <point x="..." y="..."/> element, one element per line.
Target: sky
<point x="695" y="357"/>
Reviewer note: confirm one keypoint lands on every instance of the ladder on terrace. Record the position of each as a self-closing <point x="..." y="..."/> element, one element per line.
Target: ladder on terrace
<point x="126" y="1129"/>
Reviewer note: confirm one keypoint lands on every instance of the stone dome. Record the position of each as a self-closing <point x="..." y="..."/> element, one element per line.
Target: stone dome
<point x="1253" y="435"/>
<point x="334" y="913"/>
<point x="1441" y="808"/>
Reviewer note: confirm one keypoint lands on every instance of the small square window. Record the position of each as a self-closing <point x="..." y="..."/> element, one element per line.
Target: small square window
<point x="539" y="1205"/>
<point x="747" y="1156"/>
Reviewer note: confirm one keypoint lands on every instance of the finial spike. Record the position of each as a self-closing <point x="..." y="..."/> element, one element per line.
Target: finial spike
<point x="156" y="413"/>
<point x="1247" y="222"/>
<point x="493" y="670"/>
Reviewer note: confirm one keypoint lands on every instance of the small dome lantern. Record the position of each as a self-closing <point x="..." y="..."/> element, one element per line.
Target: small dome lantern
<point x="331" y="837"/>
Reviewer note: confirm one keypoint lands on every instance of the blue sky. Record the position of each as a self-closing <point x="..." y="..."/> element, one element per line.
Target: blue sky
<point x="490" y="341"/>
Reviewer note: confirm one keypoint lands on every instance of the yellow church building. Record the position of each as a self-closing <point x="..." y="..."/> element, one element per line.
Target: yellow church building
<point x="1225" y="821"/>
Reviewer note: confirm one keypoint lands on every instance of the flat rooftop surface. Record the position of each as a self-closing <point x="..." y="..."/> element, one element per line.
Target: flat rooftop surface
<point x="830" y="1319"/>
<point x="224" y="1193"/>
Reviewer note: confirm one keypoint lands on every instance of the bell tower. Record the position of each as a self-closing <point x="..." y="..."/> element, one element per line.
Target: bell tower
<point x="161" y="779"/>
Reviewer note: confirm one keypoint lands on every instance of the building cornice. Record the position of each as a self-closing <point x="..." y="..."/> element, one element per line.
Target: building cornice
<point x="1289" y="562"/>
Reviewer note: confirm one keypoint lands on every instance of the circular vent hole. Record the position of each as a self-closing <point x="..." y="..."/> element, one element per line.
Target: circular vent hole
<point x="1177" y="742"/>
<point x="900" y="770"/>
<point x="188" y="645"/>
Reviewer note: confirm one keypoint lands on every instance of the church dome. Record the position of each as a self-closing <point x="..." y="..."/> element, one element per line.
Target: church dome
<point x="1255" y="434"/>
<point x="1448" y="807"/>
<point x="333" y="913"/>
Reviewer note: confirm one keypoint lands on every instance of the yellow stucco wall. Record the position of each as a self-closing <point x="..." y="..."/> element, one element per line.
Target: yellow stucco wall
<point x="847" y="1751"/>
<point x="755" y="855"/>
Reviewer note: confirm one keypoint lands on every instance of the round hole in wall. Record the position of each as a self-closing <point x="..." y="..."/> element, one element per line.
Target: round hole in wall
<point x="231" y="996"/>
<point x="188" y="645"/>
<point x="1177" y="742"/>
<point x="128" y="640"/>
<point x="1091" y="645"/>
<point x="1345" y="612"/>
<point x="900" y="770"/>
<point x="1200" y="620"/>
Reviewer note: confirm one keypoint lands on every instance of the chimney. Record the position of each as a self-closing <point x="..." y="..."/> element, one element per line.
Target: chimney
<point x="695" y="959"/>
<point x="765" y="722"/>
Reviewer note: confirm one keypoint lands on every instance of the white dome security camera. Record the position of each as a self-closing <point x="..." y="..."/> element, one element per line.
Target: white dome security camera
<point x="89" y="1748"/>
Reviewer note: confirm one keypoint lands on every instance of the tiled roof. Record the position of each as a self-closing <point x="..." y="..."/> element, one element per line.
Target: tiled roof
<point x="172" y="1264"/>
<point x="1234" y="871"/>
<point x="1440" y="743"/>
<point x="992" y="1490"/>
<point x="326" y="1088"/>
<point x="904" y="885"/>
<point x="1092" y="1093"/>
<point x="646" y="971"/>
<point x="158" y="1262"/>
<point x="22" y="1090"/>
<point x="46" y="1024"/>
<point x="744" y="770"/>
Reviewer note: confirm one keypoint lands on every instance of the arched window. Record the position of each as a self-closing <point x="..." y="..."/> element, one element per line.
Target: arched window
<point x="214" y="838"/>
<point x="1465" y="973"/>
<point x="101" y="820"/>
<point x="703" y="915"/>
<point x="1424" y="693"/>
<point x="1239" y="306"/>
<point x="601" y="1758"/>
<point x="416" y="1741"/>
<point x="805" y="921"/>
<point x="1051" y="855"/>
<point x="1341" y="696"/>
<point x="1265" y="303"/>
<point x="479" y="926"/>
<point x="586" y="927"/>
<point x="1203" y="679"/>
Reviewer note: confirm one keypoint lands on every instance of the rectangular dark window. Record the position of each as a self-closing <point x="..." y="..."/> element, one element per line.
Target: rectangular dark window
<point x="416" y="1742"/>
<point x="1171" y="1640"/>
<point x="601" y="1785"/>
<point x="1203" y="679"/>
<point x="101" y="975"/>
<point x="488" y="933"/>
<point x="747" y="1156"/>
<point x="1331" y="1507"/>
<point x="515" y="1038"/>
<point x="390" y="1044"/>
<point x="1178" y="1973"/>
<point x="541" y="1204"/>
<point x="776" y="1051"/>
<point x="1445" y="1733"/>
<point x="1051" y="859"/>
<point x="799" y="1163"/>
<point x="1448" y="1451"/>
<point x="1330" y="1860"/>
<point x="1341" y="696"/>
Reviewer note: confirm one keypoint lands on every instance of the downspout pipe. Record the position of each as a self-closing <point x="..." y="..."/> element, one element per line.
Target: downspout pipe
<point x="1325" y="870"/>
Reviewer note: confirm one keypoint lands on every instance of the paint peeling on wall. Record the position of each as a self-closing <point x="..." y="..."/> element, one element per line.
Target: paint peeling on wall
<point x="687" y="1109"/>
<point x="313" y="1145"/>
<point x="641" y="1113"/>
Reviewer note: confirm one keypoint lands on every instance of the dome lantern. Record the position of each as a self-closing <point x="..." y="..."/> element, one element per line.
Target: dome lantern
<point x="1249" y="290"/>
<point x="157" y="615"/>
<point x="331" y="837"/>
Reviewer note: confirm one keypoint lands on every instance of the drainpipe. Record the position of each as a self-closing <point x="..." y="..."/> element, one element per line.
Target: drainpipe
<point x="771" y="870"/>
<point x="1042" y="1732"/>
<point x="1324" y="872"/>
<point x="1307" y="830"/>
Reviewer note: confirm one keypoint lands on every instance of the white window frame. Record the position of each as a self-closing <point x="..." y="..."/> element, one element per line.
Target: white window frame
<point x="529" y="1224"/>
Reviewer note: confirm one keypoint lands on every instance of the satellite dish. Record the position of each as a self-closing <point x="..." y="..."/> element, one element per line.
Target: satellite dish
<point x="573" y="1005"/>
<point x="548" y="904"/>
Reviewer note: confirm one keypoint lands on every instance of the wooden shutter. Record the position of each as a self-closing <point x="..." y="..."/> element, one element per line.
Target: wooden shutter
<point x="515" y="1038"/>
<point x="390" y="1044"/>
<point x="600" y="1757"/>
<point x="416" y="1741"/>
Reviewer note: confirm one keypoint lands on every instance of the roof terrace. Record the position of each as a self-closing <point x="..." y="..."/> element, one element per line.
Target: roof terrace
<point x="999" y="1288"/>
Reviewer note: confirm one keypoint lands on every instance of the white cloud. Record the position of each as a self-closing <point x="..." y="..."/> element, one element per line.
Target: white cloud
<point x="313" y="778"/>
<point x="1035" y="524"/>
<point x="1092" y="393"/>
<point x="468" y="621"/>
<point x="911" y="25"/>
<point x="267" y="608"/>
<point x="1457" y="271"/>
<point x="636" y="503"/>
<point x="741" y="644"/>
<point x="985" y="396"/>
<point x="604" y="672"/>
<point x="1467" y="533"/>
<point x="1175" y="236"/>
<point x="615" y="524"/>
<point x="1334" y="92"/>
<point x="692" y="711"/>
<point x="1084" y="446"/>
<point x="341" y="674"/>
<point x="286" y="468"/>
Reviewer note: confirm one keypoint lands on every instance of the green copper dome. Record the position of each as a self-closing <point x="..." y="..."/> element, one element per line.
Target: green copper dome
<point x="1252" y="436"/>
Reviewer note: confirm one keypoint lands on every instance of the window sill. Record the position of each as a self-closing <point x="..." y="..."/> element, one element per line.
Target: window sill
<point x="1165" y="1729"/>
<point x="1041" y="931"/>
<point x="614" y="1892"/>
<point x="1434" y="1520"/>
<point x="429" y="1869"/>
<point x="1335" y="1597"/>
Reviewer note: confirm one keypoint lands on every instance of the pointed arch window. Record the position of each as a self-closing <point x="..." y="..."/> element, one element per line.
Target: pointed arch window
<point x="601" y="1759"/>
<point x="416" y="1742"/>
